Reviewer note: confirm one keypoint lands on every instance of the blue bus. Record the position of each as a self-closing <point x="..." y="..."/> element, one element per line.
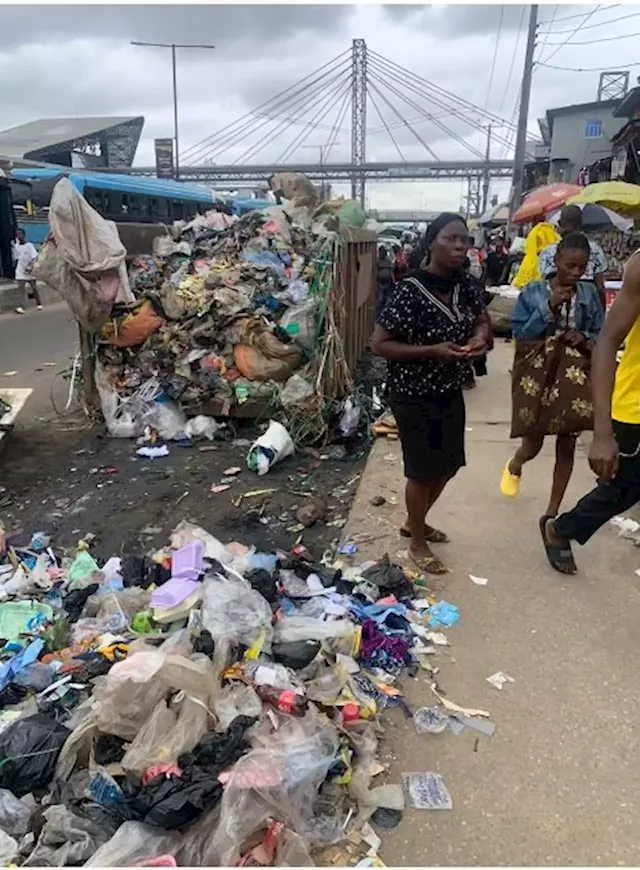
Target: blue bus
<point x="135" y="203"/>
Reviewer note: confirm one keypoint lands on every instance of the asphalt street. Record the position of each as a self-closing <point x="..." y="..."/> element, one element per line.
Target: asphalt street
<point x="27" y="343"/>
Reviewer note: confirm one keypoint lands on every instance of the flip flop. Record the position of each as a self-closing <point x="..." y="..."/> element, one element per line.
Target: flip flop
<point x="560" y="557"/>
<point x="431" y="535"/>
<point x="509" y="483"/>
<point x="429" y="565"/>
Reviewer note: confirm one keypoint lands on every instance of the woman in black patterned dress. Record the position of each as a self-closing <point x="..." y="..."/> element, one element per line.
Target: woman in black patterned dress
<point x="430" y="330"/>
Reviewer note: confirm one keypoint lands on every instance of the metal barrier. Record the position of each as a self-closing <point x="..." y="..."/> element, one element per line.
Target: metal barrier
<point x="355" y="295"/>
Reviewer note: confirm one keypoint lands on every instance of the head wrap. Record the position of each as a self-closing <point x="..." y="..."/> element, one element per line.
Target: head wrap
<point x="422" y="251"/>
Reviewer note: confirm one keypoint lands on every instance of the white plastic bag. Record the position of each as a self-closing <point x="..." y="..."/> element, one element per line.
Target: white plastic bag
<point x="133" y="843"/>
<point x="272" y="447"/>
<point x="202" y="427"/>
<point x="303" y="315"/>
<point x="167" y="417"/>
<point x="295" y="390"/>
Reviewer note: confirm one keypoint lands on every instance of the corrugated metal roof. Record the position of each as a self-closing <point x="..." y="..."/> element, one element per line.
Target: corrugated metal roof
<point x="49" y="132"/>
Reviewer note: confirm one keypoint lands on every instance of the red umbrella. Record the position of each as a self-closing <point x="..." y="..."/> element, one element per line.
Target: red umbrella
<point x="546" y="199"/>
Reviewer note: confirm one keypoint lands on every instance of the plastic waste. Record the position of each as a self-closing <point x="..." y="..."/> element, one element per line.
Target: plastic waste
<point x="202" y="427"/>
<point x="8" y="849"/>
<point x="234" y="613"/>
<point x="66" y="840"/>
<point x="283" y="700"/>
<point x="30" y="748"/>
<point x="300" y="321"/>
<point x="443" y="613"/>
<point x="269" y="449"/>
<point x="295" y="391"/>
<point x="236" y="700"/>
<point x="429" y="720"/>
<point x="80" y="572"/>
<point x="174" y="592"/>
<point x="296" y="628"/>
<point x="297" y="654"/>
<point x="14" y="814"/>
<point x="166" y="417"/>
<point x="349" y="418"/>
<point x="153" y="452"/>
<point x="135" y="843"/>
<point x="187" y="561"/>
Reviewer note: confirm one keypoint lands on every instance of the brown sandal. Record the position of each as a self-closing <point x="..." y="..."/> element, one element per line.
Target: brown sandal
<point x="429" y="564"/>
<point x="431" y="535"/>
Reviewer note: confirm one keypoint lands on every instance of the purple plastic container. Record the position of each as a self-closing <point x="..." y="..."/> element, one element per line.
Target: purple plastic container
<point x="187" y="562"/>
<point x="173" y="592"/>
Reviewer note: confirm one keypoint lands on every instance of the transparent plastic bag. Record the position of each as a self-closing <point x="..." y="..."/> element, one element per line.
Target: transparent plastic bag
<point x="235" y="613"/>
<point x="167" y="417"/>
<point x="66" y="840"/>
<point x="236" y="700"/>
<point x="300" y="322"/>
<point x="278" y="779"/>
<point x="133" y="843"/>
<point x="14" y="814"/>
<point x="306" y="628"/>
<point x="295" y="390"/>
<point x="148" y="746"/>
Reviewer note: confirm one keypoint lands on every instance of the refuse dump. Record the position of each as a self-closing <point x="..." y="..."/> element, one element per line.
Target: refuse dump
<point x="208" y="704"/>
<point x="225" y="313"/>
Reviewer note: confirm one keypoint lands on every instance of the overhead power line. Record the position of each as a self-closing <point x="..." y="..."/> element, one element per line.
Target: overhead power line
<point x="579" y="14"/>
<point x="573" y="33"/>
<point x="602" y="39"/>
<point x="546" y="35"/>
<point x="589" y="26"/>
<point x="619" y="66"/>
<point x="513" y="60"/>
<point x="495" y="57"/>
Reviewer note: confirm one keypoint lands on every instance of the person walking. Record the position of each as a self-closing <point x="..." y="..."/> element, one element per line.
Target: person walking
<point x="614" y="456"/>
<point x="24" y="256"/>
<point x="555" y="324"/>
<point x="433" y="326"/>
<point x="571" y="222"/>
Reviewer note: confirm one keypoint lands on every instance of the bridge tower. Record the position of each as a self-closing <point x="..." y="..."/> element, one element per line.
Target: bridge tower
<point x="358" y="115"/>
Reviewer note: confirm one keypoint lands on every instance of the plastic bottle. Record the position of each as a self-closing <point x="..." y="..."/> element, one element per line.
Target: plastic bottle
<point x="285" y="701"/>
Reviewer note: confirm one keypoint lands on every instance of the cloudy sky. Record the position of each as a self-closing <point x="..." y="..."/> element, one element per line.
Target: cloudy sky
<point x="67" y="61"/>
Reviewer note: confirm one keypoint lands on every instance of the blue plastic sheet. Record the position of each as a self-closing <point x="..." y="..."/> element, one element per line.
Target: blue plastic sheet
<point x="443" y="613"/>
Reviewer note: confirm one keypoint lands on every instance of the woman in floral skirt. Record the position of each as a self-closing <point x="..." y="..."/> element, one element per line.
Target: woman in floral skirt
<point x="555" y="323"/>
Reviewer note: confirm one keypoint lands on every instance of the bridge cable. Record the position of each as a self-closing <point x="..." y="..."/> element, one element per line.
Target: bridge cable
<point x="328" y="104"/>
<point x="371" y="87"/>
<point x="272" y="102"/>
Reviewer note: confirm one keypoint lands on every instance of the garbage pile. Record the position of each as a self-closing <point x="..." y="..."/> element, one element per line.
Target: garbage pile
<point x="205" y="704"/>
<point x="231" y="311"/>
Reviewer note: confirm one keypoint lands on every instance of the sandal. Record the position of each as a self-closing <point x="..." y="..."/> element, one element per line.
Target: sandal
<point x="431" y="535"/>
<point x="429" y="564"/>
<point x="560" y="557"/>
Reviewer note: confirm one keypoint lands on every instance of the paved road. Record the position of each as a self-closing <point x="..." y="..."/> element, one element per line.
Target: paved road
<point x="29" y="341"/>
<point x="557" y="784"/>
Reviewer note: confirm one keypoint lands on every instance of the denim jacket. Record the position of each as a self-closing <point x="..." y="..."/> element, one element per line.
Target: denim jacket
<point x="532" y="317"/>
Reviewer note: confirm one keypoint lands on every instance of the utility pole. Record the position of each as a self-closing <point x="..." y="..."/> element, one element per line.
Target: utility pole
<point x="358" y="115"/>
<point x="173" y="46"/>
<point x="521" y="138"/>
<point x="485" y="176"/>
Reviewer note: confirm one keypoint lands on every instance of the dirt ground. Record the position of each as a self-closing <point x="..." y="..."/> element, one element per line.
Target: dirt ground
<point x="67" y="480"/>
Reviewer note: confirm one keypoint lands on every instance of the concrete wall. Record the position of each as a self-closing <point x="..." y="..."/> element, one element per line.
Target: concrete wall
<point x="571" y="149"/>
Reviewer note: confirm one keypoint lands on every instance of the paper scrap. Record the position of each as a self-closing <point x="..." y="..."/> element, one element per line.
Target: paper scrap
<point x="455" y="708"/>
<point x="499" y="679"/>
<point x="427" y="791"/>
<point x="476" y="723"/>
<point x="479" y="581"/>
<point x="9" y="374"/>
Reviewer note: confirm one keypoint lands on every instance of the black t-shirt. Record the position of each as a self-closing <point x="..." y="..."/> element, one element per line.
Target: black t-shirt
<point x="496" y="265"/>
<point x="415" y="314"/>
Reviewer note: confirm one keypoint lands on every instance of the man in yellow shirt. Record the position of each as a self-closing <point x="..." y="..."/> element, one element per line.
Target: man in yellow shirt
<point x="615" y="450"/>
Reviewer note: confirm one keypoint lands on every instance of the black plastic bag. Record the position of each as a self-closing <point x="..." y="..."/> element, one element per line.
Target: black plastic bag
<point x="389" y="578"/>
<point x="76" y="600"/>
<point x="263" y="583"/>
<point x="29" y="751"/>
<point x="295" y="654"/>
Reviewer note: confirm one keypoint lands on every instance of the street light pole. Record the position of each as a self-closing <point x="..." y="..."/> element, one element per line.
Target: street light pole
<point x="173" y="46"/>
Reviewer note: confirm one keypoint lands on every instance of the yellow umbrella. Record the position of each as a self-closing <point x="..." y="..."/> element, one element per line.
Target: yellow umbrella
<point x="617" y="195"/>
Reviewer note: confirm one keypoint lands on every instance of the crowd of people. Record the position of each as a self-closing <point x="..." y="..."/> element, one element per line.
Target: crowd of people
<point x="432" y="327"/>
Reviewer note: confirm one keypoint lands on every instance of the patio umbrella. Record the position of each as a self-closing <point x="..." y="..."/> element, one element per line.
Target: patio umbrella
<point x="546" y="199"/>
<point x="597" y="217"/>
<point x="617" y="195"/>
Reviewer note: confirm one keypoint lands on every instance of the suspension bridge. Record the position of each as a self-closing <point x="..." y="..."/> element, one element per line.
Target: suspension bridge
<point x="366" y="86"/>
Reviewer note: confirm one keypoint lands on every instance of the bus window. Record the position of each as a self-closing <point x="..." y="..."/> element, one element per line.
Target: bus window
<point x="177" y="210"/>
<point x="124" y="207"/>
<point x="139" y="208"/>
<point x="159" y="209"/>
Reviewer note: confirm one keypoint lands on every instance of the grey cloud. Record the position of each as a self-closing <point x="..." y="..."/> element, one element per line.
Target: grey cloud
<point x="219" y="25"/>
